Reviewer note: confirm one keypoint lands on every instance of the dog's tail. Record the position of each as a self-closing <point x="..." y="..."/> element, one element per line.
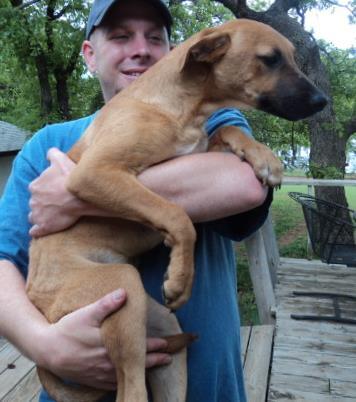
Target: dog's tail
<point x="178" y="342"/>
<point x="64" y="392"/>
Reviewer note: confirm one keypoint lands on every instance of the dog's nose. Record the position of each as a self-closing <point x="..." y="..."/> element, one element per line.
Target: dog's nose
<point x="318" y="101"/>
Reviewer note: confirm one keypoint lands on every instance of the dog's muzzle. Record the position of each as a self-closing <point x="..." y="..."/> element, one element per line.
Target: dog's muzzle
<point x="293" y="100"/>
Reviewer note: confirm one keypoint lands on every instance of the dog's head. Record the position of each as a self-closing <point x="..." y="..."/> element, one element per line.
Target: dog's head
<point x="249" y="63"/>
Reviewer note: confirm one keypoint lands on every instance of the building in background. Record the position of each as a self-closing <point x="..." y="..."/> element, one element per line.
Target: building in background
<point x="12" y="139"/>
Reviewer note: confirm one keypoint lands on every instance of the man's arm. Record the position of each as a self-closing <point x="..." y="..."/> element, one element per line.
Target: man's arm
<point x="208" y="186"/>
<point x="27" y="329"/>
<point x="77" y="335"/>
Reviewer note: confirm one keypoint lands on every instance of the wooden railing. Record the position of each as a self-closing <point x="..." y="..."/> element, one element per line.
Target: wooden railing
<point x="263" y="254"/>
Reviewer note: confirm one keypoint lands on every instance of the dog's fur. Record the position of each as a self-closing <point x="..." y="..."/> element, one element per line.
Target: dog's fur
<point x="240" y="64"/>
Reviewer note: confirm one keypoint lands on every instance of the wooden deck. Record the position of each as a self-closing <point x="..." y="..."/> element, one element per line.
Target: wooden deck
<point x="313" y="361"/>
<point x="19" y="382"/>
<point x="18" y="378"/>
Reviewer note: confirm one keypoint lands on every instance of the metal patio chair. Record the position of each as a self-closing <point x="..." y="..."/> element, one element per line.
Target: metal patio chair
<point x="331" y="228"/>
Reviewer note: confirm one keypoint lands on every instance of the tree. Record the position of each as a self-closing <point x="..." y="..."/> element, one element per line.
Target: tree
<point x="45" y="36"/>
<point x="193" y="16"/>
<point x="45" y="80"/>
<point x="287" y="17"/>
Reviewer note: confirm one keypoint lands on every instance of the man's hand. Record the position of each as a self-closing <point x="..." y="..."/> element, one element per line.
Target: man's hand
<point x="74" y="349"/>
<point x="53" y="207"/>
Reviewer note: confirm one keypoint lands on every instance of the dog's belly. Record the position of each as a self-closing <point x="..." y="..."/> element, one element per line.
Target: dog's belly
<point x="115" y="239"/>
<point x="92" y="242"/>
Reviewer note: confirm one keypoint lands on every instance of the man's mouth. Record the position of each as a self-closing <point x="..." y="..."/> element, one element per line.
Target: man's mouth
<point x="134" y="73"/>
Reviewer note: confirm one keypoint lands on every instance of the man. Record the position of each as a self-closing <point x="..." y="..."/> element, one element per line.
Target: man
<point x="222" y="196"/>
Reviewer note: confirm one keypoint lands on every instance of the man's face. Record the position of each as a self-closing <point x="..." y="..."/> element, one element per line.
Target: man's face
<point x="130" y="40"/>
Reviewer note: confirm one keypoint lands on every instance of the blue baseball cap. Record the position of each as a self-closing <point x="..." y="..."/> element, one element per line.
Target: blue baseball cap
<point x="101" y="7"/>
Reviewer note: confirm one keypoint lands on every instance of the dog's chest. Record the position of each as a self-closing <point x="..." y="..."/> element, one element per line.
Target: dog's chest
<point x="194" y="141"/>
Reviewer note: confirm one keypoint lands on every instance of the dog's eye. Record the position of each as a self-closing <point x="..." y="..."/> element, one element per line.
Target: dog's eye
<point x="272" y="60"/>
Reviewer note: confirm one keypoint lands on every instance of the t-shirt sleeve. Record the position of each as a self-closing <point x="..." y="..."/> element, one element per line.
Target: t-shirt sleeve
<point x="14" y="203"/>
<point x="240" y="226"/>
<point x="28" y="165"/>
<point x="227" y="117"/>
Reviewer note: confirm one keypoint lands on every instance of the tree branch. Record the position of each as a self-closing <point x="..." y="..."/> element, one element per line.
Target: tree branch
<point x="286" y="5"/>
<point x="22" y="5"/>
<point x="301" y="13"/>
<point x="337" y="4"/>
<point x="350" y="127"/>
<point x="239" y="8"/>
<point x="62" y="12"/>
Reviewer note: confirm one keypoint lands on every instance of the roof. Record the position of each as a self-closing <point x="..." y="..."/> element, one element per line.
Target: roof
<point x="12" y="138"/>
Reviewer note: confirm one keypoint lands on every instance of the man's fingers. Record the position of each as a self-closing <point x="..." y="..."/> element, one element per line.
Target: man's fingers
<point x="54" y="154"/>
<point x="57" y="157"/>
<point x="157" y="359"/>
<point x="156" y="344"/>
<point x="98" y="311"/>
<point x="35" y="231"/>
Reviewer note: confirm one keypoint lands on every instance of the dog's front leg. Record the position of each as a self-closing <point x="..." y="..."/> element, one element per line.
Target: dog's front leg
<point x="102" y="183"/>
<point x="265" y="164"/>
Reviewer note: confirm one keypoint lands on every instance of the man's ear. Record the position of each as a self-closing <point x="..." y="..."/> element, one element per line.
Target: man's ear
<point x="89" y="56"/>
<point x="208" y="50"/>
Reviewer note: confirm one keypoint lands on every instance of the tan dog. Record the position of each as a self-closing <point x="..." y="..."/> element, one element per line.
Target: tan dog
<point x="161" y="115"/>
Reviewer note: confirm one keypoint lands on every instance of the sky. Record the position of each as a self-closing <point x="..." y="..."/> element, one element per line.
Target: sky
<point x="333" y="26"/>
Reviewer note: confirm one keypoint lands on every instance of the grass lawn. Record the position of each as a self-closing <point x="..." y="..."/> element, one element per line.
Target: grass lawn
<point x="291" y="235"/>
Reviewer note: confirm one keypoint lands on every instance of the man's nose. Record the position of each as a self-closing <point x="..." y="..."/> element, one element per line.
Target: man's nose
<point x="140" y="47"/>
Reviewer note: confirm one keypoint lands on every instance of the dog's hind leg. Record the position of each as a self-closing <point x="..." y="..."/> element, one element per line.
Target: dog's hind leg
<point x="168" y="383"/>
<point x="123" y="332"/>
<point x="124" y="336"/>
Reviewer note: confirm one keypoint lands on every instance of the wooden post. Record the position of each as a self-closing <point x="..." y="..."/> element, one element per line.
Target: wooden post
<point x="271" y="247"/>
<point x="309" y="245"/>
<point x="261" y="278"/>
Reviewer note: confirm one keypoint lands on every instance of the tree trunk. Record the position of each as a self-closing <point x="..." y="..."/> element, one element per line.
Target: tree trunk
<point x="62" y="95"/>
<point x="45" y="87"/>
<point x="327" y="147"/>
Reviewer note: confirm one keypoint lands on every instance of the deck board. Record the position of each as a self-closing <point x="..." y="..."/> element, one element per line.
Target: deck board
<point x="313" y="361"/>
<point x="257" y="362"/>
<point x="21" y="384"/>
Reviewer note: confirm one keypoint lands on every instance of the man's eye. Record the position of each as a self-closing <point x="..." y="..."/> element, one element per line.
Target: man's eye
<point x="120" y="37"/>
<point x="156" y="38"/>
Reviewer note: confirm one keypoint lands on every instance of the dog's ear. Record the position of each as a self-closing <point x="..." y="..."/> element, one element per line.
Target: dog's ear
<point x="208" y="50"/>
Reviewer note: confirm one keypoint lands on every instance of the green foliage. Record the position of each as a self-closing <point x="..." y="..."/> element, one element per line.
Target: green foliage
<point x="19" y="93"/>
<point x="246" y="296"/>
<point x="30" y="39"/>
<point x="193" y="16"/>
<point x="324" y="172"/>
<point x="277" y="133"/>
<point x="341" y="66"/>
<point x="24" y="35"/>
<point x="296" y="248"/>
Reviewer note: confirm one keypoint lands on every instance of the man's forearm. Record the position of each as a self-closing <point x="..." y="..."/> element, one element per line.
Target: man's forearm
<point x="20" y="321"/>
<point x="208" y="186"/>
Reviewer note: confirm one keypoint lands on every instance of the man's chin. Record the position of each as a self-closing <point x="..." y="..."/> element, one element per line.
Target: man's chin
<point x="128" y="79"/>
<point x="123" y="82"/>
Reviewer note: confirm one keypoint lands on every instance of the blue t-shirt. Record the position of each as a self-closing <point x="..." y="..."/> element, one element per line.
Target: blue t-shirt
<point x="214" y="365"/>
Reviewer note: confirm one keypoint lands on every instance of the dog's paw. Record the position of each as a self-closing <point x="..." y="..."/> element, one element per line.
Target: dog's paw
<point x="267" y="167"/>
<point x="177" y="289"/>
